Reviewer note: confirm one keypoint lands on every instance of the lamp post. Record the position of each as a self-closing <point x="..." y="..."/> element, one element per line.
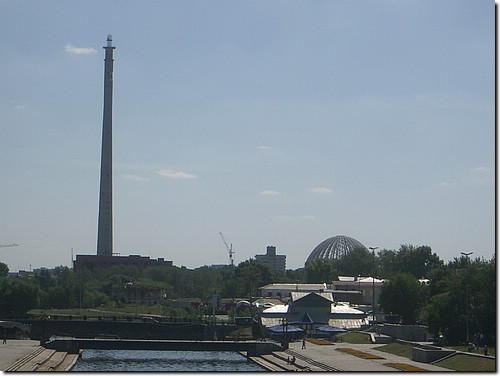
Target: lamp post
<point x="359" y="289"/>
<point x="466" y="297"/>
<point x="284" y="323"/>
<point x="373" y="249"/>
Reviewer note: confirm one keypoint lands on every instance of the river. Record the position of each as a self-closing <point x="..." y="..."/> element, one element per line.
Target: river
<point x="163" y="361"/>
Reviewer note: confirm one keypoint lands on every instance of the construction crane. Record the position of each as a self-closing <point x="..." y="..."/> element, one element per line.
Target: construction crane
<point x="229" y="249"/>
<point x="8" y="245"/>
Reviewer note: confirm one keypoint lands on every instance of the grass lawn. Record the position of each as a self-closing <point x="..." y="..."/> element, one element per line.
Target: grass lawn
<point x="491" y="350"/>
<point x="91" y="313"/>
<point x="131" y="310"/>
<point x="458" y="362"/>
<point x="397" y="349"/>
<point x="355" y="337"/>
<point x="466" y="363"/>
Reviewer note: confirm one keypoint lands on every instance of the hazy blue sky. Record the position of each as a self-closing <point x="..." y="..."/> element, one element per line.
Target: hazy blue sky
<point x="274" y="122"/>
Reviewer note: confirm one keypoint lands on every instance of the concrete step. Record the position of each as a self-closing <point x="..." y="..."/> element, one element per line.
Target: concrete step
<point x="280" y="363"/>
<point x="265" y="364"/>
<point x="68" y="362"/>
<point x="52" y="363"/>
<point x="322" y="366"/>
<point x="34" y="363"/>
<point x="25" y="359"/>
<point x="299" y="363"/>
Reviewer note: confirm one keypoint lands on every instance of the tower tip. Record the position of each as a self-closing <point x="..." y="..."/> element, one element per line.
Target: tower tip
<point x="109" y="40"/>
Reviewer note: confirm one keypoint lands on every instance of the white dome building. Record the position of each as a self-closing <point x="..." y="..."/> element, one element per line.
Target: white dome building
<point x="335" y="247"/>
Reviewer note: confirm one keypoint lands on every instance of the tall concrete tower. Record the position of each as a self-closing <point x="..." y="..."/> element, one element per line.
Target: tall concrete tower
<point x="105" y="226"/>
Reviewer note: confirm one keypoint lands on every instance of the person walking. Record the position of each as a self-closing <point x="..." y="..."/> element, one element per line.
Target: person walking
<point x="4" y="342"/>
<point x="304" y="343"/>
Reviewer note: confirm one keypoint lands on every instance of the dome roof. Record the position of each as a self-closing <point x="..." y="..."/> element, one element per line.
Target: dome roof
<point x="334" y="248"/>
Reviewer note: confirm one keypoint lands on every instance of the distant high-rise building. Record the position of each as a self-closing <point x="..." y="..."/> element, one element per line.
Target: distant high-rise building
<point x="105" y="225"/>
<point x="277" y="262"/>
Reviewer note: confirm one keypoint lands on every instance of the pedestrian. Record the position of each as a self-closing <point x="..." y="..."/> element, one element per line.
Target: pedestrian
<point x="4" y="337"/>
<point x="485" y="350"/>
<point x="303" y="343"/>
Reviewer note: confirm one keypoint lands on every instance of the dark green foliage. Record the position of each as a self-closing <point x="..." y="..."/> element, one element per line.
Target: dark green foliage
<point x="463" y="282"/>
<point x="417" y="261"/>
<point x="357" y="262"/>
<point x="403" y="295"/>
<point x="250" y="275"/>
<point x="17" y="296"/>
<point x="4" y="270"/>
<point x="321" y="270"/>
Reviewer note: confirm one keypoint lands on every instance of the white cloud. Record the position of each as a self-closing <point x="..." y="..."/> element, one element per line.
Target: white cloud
<point x="69" y="48"/>
<point x="270" y="193"/>
<point x="134" y="177"/>
<point x="482" y="169"/>
<point x="320" y="190"/>
<point x="307" y="216"/>
<point x="264" y="147"/>
<point x="298" y="217"/>
<point x="178" y="175"/>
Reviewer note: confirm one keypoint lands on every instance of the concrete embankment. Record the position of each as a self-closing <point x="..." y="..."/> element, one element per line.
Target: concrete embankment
<point x="29" y="356"/>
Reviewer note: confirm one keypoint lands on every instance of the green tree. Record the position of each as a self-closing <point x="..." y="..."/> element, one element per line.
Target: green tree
<point x="4" y="270"/>
<point x="359" y="261"/>
<point x="414" y="260"/>
<point x="294" y="275"/>
<point x="465" y="297"/>
<point x="403" y="295"/>
<point x="387" y="264"/>
<point x="17" y="296"/>
<point x="321" y="271"/>
<point x="250" y="275"/>
<point x="45" y="280"/>
<point x="417" y="261"/>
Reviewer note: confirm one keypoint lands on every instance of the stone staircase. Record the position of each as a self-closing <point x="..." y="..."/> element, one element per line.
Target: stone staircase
<point x="44" y="360"/>
<point x="318" y="366"/>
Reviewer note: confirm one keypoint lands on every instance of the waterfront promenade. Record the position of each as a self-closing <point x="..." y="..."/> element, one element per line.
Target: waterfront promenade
<point x="328" y="357"/>
<point x="314" y="357"/>
<point x="14" y="350"/>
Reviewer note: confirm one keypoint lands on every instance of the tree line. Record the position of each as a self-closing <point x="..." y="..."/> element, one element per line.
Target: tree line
<point x="460" y="293"/>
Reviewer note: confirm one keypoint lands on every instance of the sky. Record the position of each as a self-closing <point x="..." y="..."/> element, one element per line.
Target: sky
<point x="274" y="122"/>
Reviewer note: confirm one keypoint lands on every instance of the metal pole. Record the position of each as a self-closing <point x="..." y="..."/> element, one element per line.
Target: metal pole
<point x="373" y="283"/>
<point x="467" y="297"/>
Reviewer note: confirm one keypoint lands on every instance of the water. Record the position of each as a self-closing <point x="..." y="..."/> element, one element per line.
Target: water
<point x="163" y="361"/>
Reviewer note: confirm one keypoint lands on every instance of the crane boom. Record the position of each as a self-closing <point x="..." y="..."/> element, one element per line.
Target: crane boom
<point x="229" y="249"/>
<point x="8" y="245"/>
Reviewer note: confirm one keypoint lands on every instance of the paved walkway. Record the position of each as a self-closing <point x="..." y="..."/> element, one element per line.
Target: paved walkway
<point x="14" y="350"/>
<point x="330" y="356"/>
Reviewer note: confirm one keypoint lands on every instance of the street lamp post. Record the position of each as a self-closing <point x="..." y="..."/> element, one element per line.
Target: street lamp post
<point x="359" y="289"/>
<point x="373" y="249"/>
<point x="466" y="297"/>
<point x="284" y="323"/>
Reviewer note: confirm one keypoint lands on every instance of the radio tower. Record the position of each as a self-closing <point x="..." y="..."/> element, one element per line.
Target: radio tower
<point x="105" y="225"/>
